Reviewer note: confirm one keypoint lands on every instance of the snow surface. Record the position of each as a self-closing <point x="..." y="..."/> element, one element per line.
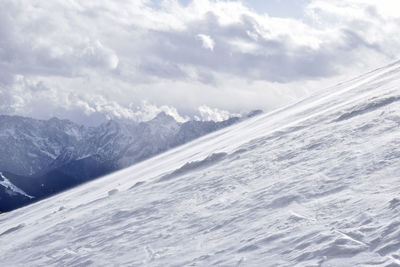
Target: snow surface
<point x="312" y="184"/>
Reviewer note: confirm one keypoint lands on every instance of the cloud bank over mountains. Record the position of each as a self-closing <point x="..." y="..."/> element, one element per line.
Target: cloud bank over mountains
<point x="128" y="58"/>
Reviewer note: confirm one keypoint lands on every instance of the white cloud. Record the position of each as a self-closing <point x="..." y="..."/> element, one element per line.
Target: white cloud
<point x="206" y="41"/>
<point x="146" y="111"/>
<point x="214" y="114"/>
<point x="103" y="57"/>
<point x="97" y="55"/>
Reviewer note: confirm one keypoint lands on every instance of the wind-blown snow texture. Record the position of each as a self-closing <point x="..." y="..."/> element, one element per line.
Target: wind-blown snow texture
<point x="313" y="184"/>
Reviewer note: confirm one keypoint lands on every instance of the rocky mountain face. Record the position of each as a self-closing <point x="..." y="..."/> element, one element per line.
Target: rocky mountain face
<point x="28" y="146"/>
<point x="43" y="157"/>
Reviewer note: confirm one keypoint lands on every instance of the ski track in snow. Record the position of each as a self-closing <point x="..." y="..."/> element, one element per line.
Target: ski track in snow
<point x="312" y="184"/>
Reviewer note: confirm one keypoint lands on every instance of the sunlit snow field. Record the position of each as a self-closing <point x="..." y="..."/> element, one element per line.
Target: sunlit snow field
<point x="312" y="184"/>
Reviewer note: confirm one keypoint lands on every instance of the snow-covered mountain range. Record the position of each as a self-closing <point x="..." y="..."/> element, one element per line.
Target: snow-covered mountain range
<point x="43" y="157"/>
<point x="316" y="183"/>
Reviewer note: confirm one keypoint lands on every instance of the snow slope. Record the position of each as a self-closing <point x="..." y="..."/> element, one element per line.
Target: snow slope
<point x="312" y="184"/>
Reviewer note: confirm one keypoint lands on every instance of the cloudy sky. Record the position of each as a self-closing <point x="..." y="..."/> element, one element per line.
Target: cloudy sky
<point x="96" y="59"/>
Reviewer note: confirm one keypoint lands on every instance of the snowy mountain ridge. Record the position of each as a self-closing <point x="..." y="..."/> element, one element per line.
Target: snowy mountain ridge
<point x="11" y="188"/>
<point x="315" y="183"/>
<point x="29" y="145"/>
<point x="34" y="146"/>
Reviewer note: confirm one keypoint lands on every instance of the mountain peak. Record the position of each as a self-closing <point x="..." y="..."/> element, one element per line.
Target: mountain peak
<point x="164" y="117"/>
